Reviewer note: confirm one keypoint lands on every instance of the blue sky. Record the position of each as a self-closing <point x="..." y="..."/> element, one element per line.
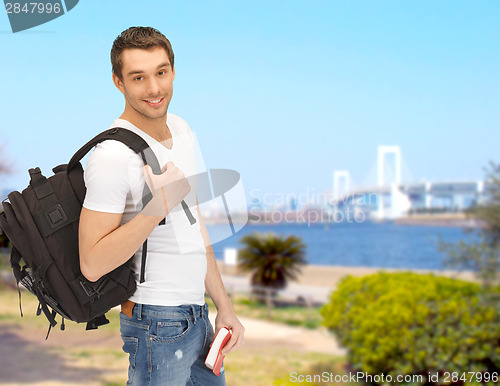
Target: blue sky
<point x="285" y="92"/>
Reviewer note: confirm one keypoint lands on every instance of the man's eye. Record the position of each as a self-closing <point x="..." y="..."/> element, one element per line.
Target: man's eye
<point x="138" y="78"/>
<point x="162" y="73"/>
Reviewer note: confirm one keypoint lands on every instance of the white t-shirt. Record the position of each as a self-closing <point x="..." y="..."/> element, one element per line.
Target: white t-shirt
<point x="176" y="256"/>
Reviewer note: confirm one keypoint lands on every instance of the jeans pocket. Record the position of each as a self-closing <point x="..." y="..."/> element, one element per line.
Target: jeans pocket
<point x="172" y="330"/>
<point x="123" y="316"/>
<point x="130" y="346"/>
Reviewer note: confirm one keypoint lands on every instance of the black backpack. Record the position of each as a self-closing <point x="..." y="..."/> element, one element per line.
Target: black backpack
<point x="42" y="226"/>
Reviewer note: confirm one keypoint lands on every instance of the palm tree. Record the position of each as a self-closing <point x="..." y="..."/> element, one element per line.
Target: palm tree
<point x="273" y="260"/>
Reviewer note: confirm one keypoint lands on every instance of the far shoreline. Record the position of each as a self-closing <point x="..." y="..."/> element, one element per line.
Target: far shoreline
<point x="439" y="219"/>
<point x="330" y="275"/>
<point x="461" y="220"/>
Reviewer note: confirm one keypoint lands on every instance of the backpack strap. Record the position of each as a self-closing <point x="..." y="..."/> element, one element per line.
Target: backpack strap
<point x="127" y="137"/>
<point x="141" y="147"/>
<point x="19" y="273"/>
<point x="138" y="145"/>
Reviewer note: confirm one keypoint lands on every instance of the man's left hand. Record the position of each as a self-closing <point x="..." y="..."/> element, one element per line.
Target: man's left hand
<point x="229" y="320"/>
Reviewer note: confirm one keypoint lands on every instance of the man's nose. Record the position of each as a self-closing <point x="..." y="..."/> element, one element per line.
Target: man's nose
<point x="153" y="87"/>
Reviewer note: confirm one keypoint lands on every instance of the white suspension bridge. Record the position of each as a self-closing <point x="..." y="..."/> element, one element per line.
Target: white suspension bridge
<point x="391" y="198"/>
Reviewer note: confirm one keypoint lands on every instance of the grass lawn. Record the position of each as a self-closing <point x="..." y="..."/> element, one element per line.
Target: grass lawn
<point x="98" y="355"/>
<point x="291" y="315"/>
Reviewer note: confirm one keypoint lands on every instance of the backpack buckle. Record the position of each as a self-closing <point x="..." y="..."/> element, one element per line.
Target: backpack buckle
<point x="56" y="216"/>
<point x="88" y="289"/>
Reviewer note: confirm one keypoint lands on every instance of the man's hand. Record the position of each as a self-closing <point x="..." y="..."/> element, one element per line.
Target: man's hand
<point x="229" y="320"/>
<point x="168" y="189"/>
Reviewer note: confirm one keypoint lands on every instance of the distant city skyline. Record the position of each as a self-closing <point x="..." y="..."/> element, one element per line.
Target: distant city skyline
<point x="284" y="94"/>
<point x="311" y="195"/>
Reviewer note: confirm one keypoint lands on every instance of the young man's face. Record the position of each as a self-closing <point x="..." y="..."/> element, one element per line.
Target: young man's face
<point x="147" y="79"/>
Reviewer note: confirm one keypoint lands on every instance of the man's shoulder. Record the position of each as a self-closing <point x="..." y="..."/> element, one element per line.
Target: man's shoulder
<point x="112" y="146"/>
<point x="112" y="150"/>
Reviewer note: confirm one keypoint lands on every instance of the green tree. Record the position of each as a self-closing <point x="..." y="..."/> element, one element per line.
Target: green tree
<point x="482" y="255"/>
<point x="272" y="260"/>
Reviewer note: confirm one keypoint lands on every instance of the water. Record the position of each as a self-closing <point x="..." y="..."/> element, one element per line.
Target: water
<point x="366" y="244"/>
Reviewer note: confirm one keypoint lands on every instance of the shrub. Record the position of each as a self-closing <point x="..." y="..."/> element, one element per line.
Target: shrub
<point x="411" y="324"/>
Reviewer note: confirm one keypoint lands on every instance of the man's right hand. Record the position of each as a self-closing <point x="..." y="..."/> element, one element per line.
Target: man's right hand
<point x="168" y="189"/>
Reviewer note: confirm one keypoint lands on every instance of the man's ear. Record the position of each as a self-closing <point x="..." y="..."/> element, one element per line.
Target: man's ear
<point x="118" y="83"/>
<point x="173" y="72"/>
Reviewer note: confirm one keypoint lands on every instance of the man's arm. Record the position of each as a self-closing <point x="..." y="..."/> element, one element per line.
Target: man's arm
<point x="105" y="245"/>
<point x="217" y="292"/>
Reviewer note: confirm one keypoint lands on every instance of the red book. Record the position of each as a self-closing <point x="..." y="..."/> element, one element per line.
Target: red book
<point x="215" y="357"/>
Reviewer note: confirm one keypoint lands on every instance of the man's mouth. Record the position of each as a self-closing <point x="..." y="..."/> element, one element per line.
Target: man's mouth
<point x="154" y="102"/>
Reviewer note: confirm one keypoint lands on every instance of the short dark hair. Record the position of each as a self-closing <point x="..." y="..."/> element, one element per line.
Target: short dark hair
<point x="138" y="37"/>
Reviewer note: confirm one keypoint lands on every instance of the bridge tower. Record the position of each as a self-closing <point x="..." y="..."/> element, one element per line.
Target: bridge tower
<point x="399" y="201"/>
<point x="339" y="189"/>
<point x="382" y="151"/>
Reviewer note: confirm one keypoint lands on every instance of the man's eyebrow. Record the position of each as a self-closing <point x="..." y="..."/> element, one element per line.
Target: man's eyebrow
<point x="135" y="72"/>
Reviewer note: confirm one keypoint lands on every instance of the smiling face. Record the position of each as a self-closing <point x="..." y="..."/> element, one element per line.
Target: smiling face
<point x="147" y="84"/>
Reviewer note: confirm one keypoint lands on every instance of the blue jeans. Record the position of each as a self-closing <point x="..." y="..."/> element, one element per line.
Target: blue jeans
<point x="168" y="346"/>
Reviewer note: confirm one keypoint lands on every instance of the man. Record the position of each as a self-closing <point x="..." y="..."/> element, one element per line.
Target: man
<point x="164" y="325"/>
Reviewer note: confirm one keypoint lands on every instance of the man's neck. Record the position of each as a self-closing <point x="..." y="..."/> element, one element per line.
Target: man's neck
<point x="156" y="128"/>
